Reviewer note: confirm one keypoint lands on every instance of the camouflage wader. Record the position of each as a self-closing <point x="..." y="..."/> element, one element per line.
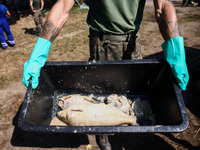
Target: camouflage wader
<point x="38" y="19"/>
<point x="114" y="47"/>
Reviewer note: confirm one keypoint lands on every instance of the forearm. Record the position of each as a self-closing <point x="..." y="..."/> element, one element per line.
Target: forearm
<point x="8" y="14"/>
<point x="31" y="5"/>
<point x="173" y="47"/>
<point x="42" y="4"/>
<point x="166" y="18"/>
<point x="57" y="17"/>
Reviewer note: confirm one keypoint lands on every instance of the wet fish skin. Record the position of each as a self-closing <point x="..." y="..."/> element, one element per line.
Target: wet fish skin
<point x="57" y="122"/>
<point x="67" y="101"/>
<point x="120" y="101"/>
<point x="125" y="106"/>
<point x="113" y="98"/>
<point x="95" y="115"/>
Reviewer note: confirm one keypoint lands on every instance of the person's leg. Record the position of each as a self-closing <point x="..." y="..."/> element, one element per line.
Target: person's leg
<point x="133" y="49"/>
<point x="9" y="35"/>
<point x="37" y="22"/>
<point x="105" y="50"/>
<point x="97" y="51"/>
<point x="115" y="48"/>
<point x="2" y="38"/>
<point x="103" y="142"/>
<point x="110" y="47"/>
<point x="41" y="19"/>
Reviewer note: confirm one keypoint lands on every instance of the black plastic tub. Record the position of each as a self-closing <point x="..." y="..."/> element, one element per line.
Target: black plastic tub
<point x="148" y="78"/>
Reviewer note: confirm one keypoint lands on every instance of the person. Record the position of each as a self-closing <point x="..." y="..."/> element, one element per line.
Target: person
<point x="113" y="32"/>
<point x="5" y="27"/>
<point x="37" y="7"/>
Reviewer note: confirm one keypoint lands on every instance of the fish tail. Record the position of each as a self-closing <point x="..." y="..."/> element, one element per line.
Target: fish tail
<point x="134" y="121"/>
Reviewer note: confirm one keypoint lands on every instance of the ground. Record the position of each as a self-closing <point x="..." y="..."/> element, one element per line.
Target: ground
<point x="72" y="45"/>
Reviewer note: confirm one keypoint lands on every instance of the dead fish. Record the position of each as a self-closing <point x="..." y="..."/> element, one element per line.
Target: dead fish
<point x="113" y="98"/>
<point x="95" y="115"/>
<point x="67" y="101"/>
<point x="57" y="122"/>
<point x="120" y="101"/>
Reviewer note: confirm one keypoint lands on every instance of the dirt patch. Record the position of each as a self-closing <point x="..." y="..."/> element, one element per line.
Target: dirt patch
<point x="72" y="45"/>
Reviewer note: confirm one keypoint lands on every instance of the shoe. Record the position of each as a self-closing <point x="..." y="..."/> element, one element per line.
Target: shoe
<point x="38" y="29"/>
<point x="4" y="45"/>
<point x="11" y="43"/>
<point x="104" y="143"/>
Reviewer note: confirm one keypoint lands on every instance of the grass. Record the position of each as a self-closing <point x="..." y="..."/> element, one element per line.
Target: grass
<point x="11" y="67"/>
<point x="189" y="18"/>
<point x="68" y="47"/>
<point x="76" y="10"/>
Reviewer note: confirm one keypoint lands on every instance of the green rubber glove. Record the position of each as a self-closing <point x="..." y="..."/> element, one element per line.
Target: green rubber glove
<point x="174" y="52"/>
<point x="37" y="60"/>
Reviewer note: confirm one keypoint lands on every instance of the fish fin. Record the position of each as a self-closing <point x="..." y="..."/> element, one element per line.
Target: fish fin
<point x="61" y="104"/>
<point x="78" y="110"/>
<point x="57" y="122"/>
<point x="65" y="97"/>
<point x="124" y="124"/>
<point x="91" y="99"/>
<point x="134" y="121"/>
<point x="114" y="104"/>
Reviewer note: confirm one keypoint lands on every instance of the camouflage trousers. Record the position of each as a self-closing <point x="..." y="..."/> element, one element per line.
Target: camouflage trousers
<point x="38" y="19"/>
<point x="114" y="47"/>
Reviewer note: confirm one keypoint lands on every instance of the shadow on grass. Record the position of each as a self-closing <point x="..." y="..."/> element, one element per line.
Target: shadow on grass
<point x="31" y="31"/>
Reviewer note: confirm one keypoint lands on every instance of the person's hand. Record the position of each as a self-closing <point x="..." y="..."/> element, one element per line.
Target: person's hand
<point x="37" y="60"/>
<point x="31" y="70"/>
<point x="174" y="52"/>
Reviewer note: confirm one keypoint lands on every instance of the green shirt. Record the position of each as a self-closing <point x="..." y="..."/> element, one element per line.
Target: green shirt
<point x="115" y="16"/>
<point x="36" y="4"/>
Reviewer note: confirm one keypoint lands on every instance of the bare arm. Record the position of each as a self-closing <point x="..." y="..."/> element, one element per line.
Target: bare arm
<point x="31" y="5"/>
<point x="8" y="13"/>
<point x="166" y="18"/>
<point x="57" y="17"/>
<point x="42" y="4"/>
